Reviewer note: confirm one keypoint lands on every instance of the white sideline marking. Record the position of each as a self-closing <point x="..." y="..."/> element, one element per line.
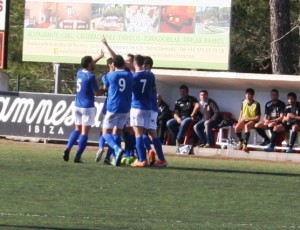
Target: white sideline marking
<point x="44" y="216"/>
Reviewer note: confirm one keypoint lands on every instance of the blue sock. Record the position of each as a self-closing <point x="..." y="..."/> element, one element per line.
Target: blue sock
<point x="131" y="152"/>
<point x="141" y="151"/>
<point x="81" y="145"/>
<point x="126" y="136"/>
<point x="117" y="138"/>
<point x="158" y="148"/>
<point x="101" y="142"/>
<point x="111" y="142"/>
<point x="147" y="142"/>
<point x="129" y="147"/>
<point x="110" y="151"/>
<point x="133" y="142"/>
<point x="73" y="138"/>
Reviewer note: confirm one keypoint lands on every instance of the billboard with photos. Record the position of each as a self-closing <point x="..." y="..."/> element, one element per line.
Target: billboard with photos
<point x="176" y="34"/>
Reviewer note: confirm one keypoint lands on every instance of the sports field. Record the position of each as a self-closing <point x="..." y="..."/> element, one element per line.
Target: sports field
<point x="41" y="191"/>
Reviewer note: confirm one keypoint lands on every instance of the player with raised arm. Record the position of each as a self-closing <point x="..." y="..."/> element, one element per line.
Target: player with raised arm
<point x="111" y="68"/>
<point x="128" y="133"/>
<point x="84" y="110"/>
<point x="119" y="84"/>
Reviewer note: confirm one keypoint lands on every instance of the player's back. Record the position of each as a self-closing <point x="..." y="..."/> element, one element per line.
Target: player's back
<point x="119" y="91"/>
<point x="154" y="105"/>
<point x="86" y="85"/>
<point x="143" y="86"/>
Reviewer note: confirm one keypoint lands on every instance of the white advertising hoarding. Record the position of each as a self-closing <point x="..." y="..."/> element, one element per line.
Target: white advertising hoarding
<point x="176" y="34"/>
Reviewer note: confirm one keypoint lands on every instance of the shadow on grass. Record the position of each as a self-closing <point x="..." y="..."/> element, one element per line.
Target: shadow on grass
<point x="12" y="226"/>
<point x="233" y="171"/>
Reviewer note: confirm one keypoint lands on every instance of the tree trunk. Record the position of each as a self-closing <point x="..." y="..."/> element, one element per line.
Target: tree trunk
<point x="281" y="50"/>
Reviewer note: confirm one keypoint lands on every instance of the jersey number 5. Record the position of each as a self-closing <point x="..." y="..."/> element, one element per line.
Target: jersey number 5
<point x="78" y="85"/>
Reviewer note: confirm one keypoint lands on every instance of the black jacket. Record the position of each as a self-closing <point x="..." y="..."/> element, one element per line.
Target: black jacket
<point x="164" y="112"/>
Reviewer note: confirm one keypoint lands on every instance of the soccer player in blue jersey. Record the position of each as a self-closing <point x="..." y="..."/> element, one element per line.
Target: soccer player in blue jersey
<point x="143" y="87"/>
<point x="119" y="95"/>
<point x="148" y="63"/>
<point x="84" y="109"/>
<point x="111" y="68"/>
<point x="128" y="133"/>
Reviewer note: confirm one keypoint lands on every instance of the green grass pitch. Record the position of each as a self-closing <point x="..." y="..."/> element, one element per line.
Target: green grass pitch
<point x="38" y="190"/>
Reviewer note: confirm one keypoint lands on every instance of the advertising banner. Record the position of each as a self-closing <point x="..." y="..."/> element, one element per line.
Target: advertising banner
<point x="45" y="116"/>
<point x="177" y="34"/>
<point x="2" y="14"/>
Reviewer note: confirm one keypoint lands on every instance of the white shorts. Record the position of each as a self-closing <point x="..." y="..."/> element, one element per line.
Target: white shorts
<point x="140" y="118"/>
<point x="127" y="124"/>
<point x="84" y="116"/>
<point x="153" y="120"/>
<point x="112" y="120"/>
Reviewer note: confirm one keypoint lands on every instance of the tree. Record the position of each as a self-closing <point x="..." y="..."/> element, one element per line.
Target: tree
<point x="281" y="47"/>
<point x="251" y="36"/>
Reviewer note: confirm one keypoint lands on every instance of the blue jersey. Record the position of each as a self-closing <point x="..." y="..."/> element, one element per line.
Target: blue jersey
<point x="143" y="86"/>
<point x="86" y="85"/>
<point x="119" y="84"/>
<point x="104" y="82"/>
<point x="104" y="79"/>
<point x="154" y="106"/>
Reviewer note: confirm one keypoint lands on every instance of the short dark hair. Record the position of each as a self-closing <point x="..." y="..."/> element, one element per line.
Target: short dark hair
<point x="184" y="87"/>
<point x="85" y="61"/>
<point x="274" y="91"/>
<point x="119" y="61"/>
<point x="148" y="61"/>
<point x="130" y="55"/>
<point x="204" y="91"/>
<point x="139" y="59"/>
<point x="250" y="90"/>
<point x="109" y="61"/>
<point x="292" y="94"/>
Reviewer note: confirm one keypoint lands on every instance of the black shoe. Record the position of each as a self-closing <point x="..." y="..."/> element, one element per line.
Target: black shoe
<point x="106" y="162"/>
<point x="66" y="155"/>
<point x="78" y="160"/>
<point x="265" y="142"/>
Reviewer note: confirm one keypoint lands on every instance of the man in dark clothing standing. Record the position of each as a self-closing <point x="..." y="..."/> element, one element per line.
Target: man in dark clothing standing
<point x="210" y="119"/>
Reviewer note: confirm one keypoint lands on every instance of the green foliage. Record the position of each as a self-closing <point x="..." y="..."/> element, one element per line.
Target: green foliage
<point x="295" y="20"/>
<point x="250" y="37"/>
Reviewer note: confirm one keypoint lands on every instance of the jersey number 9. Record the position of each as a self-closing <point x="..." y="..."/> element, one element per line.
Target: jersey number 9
<point x="122" y="84"/>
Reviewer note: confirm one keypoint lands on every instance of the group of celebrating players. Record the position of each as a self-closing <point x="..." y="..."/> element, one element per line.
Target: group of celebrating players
<point x="130" y="108"/>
